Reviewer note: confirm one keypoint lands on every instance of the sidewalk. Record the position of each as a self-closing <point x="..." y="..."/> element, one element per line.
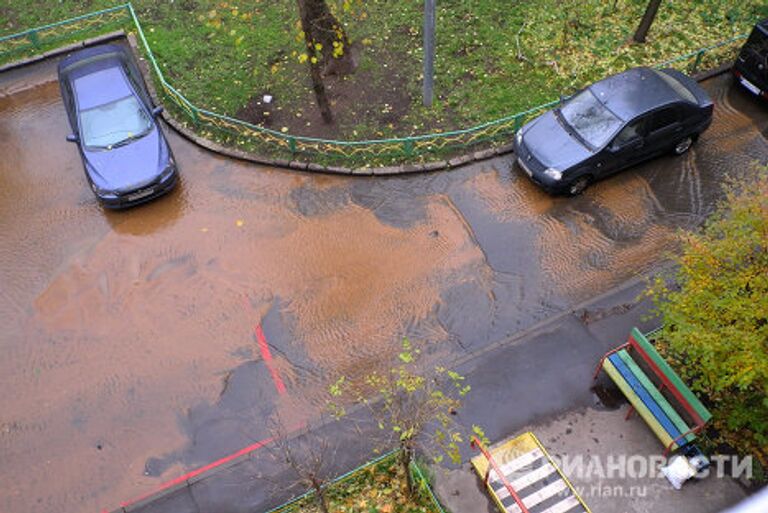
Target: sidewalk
<point x="547" y="370"/>
<point x="541" y="383"/>
<point x="597" y="444"/>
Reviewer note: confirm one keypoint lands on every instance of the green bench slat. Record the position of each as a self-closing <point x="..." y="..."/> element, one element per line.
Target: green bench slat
<point x="686" y="392"/>
<point x="656" y="395"/>
<point x="637" y="403"/>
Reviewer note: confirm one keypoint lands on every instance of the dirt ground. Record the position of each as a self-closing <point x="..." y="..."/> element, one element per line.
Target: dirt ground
<point x="350" y="104"/>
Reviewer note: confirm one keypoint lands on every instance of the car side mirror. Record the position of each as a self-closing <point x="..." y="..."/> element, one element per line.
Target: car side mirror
<point x="72" y="138"/>
<point x="157" y="111"/>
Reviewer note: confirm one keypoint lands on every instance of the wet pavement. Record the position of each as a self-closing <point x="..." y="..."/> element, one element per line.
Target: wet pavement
<point x="139" y="344"/>
<point x="587" y="443"/>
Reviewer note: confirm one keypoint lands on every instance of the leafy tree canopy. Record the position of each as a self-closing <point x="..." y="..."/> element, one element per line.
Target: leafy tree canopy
<point x="716" y="314"/>
<point x="412" y="406"/>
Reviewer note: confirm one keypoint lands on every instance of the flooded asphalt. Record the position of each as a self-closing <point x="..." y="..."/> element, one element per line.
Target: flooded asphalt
<point x="138" y="344"/>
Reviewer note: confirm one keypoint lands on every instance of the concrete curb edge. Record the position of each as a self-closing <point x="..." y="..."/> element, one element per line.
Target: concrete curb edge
<point x="188" y="133"/>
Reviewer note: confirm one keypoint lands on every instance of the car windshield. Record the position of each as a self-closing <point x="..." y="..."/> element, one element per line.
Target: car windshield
<point x="114" y="123"/>
<point x="590" y="119"/>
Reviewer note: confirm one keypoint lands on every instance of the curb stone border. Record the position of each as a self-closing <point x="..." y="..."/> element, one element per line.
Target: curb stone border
<point x="301" y="165"/>
<point x="109" y="36"/>
<point x="402" y="169"/>
<point x="298" y="165"/>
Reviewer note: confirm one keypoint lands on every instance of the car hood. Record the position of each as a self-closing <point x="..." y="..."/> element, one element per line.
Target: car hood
<point x="551" y="144"/>
<point x="128" y="167"/>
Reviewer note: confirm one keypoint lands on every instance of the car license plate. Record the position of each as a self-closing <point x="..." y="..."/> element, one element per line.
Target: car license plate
<point x="141" y="194"/>
<point x="750" y="86"/>
<point x="525" y="168"/>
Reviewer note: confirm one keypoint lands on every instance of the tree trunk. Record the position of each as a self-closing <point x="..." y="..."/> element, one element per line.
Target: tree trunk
<point x="319" y="493"/>
<point x="405" y="458"/>
<point x="647" y="21"/>
<point x="308" y="8"/>
<point x="321" y="26"/>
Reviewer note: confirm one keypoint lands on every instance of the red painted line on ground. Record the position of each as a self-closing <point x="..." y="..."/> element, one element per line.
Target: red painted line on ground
<point x="279" y="385"/>
<point x="264" y="347"/>
<point x="266" y="355"/>
<point x="197" y="472"/>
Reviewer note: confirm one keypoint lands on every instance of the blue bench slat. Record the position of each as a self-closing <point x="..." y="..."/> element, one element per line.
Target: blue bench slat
<point x="643" y="394"/>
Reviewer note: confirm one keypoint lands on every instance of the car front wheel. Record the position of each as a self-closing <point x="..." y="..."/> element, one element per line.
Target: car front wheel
<point x="578" y="186"/>
<point x="683" y="146"/>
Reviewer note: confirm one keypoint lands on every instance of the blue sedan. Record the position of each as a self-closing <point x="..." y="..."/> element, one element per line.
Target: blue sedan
<point x="126" y="157"/>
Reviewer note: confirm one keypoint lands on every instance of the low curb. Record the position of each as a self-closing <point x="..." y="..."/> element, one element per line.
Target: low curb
<point x="298" y="165"/>
<point x="403" y="169"/>
<point x="104" y="38"/>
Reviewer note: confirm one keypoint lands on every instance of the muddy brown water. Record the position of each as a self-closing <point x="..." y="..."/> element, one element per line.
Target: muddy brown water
<point x="128" y="345"/>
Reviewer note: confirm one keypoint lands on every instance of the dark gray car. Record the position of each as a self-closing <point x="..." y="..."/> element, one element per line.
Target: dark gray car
<point x="611" y="125"/>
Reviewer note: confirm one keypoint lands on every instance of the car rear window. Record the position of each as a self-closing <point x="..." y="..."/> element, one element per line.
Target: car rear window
<point x="678" y="87"/>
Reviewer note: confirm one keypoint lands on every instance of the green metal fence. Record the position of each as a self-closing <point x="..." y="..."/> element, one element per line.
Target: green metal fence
<point x="252" y="138"/>
<point x="40" y="39"/>
<point x="422" y="485"/>
<point x="708" y="57"/>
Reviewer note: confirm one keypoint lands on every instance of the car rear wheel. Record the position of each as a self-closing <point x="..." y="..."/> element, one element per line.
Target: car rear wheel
<point x="683" y="146"/>
<point x="578" y="186"/>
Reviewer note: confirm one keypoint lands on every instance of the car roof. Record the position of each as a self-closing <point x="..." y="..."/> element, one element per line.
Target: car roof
<point x="100" y="86"/>
<point x="634" y="92"/>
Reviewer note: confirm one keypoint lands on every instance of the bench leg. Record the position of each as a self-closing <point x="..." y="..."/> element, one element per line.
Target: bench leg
<point x="629" y="412"/>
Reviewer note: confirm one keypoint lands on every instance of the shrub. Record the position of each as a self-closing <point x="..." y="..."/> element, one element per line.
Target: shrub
<point x="715" y="315"/>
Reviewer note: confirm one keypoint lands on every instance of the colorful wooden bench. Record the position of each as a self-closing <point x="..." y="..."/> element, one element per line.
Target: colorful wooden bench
<point x="655" y="391"/>
<point x="521" y="477"/>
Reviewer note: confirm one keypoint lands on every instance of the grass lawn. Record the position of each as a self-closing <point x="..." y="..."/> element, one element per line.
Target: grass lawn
<point x="494" y="57"/>
<point x="380" y="488"/>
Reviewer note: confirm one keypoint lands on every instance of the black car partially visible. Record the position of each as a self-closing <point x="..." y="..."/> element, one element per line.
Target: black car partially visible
<point x="751" y="66"/>
<point x="126" y="158"/>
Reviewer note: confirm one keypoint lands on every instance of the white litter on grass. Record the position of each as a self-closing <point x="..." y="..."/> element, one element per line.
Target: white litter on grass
<point x="267" y="98"/>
